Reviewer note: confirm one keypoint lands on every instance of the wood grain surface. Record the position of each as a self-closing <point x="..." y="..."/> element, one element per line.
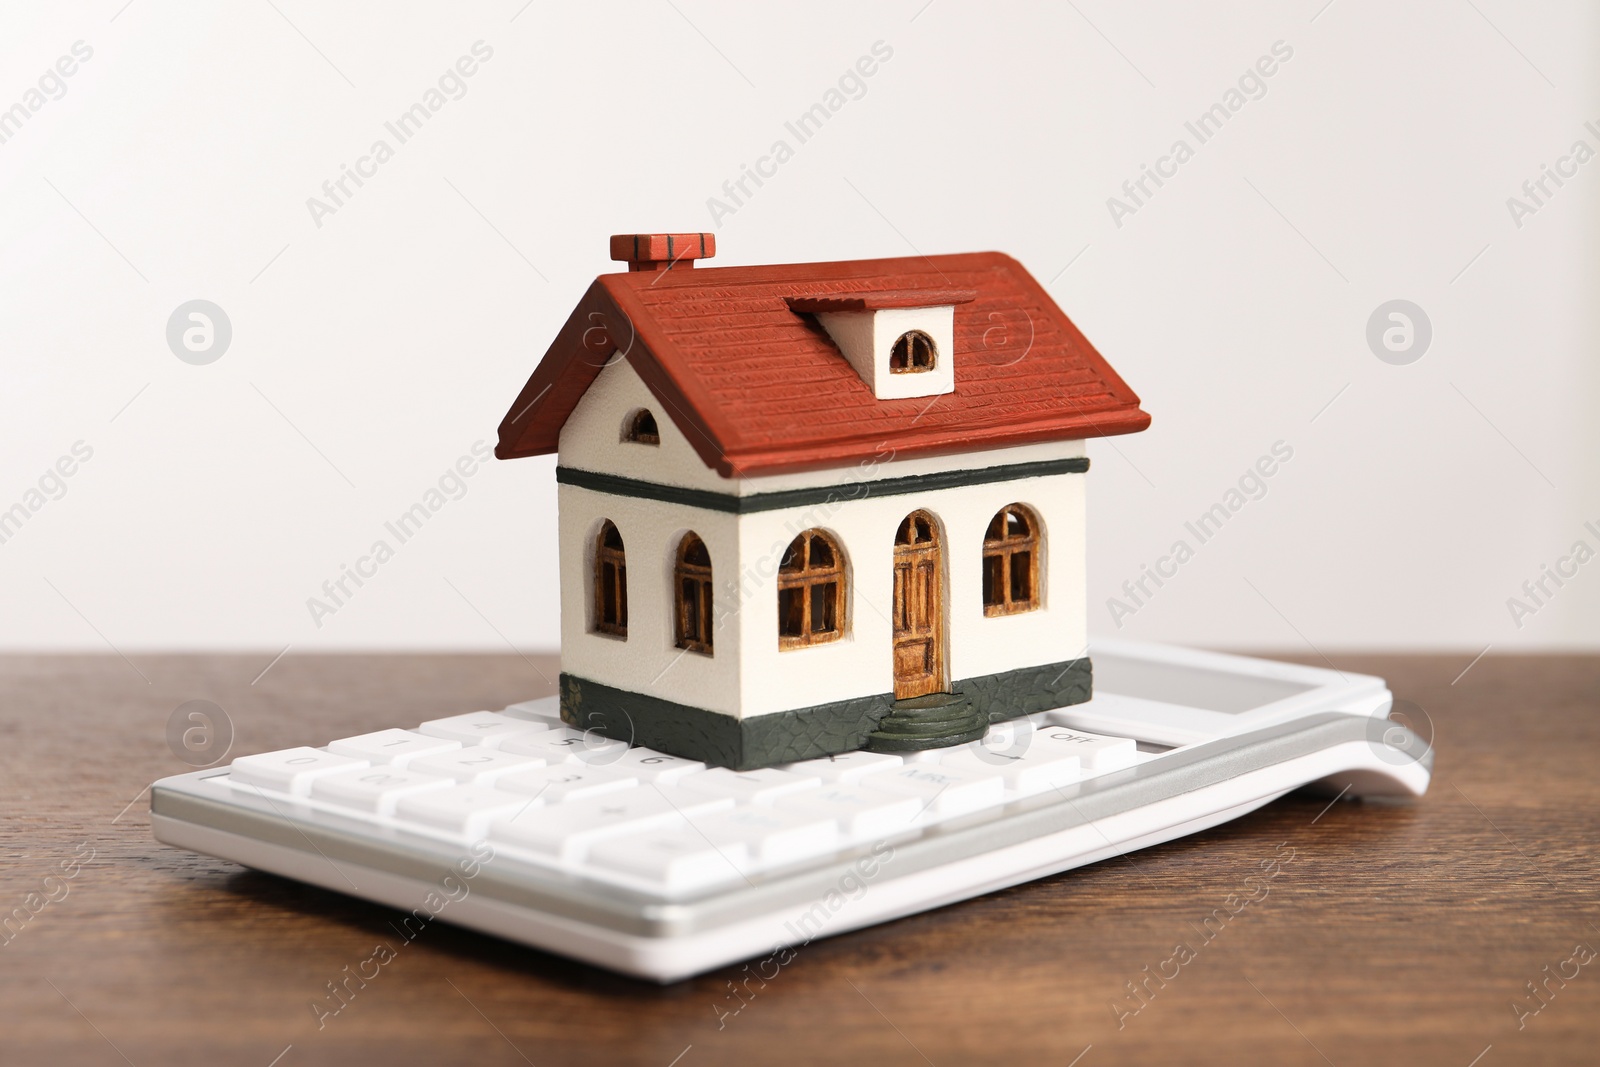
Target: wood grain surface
<point x="1397" y="933"/>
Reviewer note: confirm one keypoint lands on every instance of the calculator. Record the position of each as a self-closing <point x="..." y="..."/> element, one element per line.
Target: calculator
<point x="515" y="824"/>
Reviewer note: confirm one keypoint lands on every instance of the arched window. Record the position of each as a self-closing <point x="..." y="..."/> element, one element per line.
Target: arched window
<point x="642" y="429"/>
<point x="916" y="529"/>
<point x="610" y="582"/>
<point x="810" y="591"/>
<point x="913" y="351"/>
<point x="1011" y="562"/>
<point x="692" y="578"/>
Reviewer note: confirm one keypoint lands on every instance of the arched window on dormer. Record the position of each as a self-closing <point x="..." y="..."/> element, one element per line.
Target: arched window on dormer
<point x="691" y="579"/>
<point x="913" y="351"/>
<point x="610" y="582"/>
<point x="641" y="428"/>
<point x="1012" y="547"/>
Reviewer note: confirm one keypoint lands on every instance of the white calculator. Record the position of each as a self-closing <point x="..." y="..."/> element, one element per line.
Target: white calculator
<point x="512" y="823"/>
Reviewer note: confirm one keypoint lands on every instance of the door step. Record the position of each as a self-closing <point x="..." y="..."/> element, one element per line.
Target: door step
<point x="938" y="720"/>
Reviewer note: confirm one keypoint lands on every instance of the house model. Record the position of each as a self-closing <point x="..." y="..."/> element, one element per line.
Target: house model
<point x="810" y="508"/>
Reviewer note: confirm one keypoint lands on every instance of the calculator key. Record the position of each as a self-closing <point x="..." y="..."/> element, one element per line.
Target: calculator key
<point x="860" y="813"/>
<point x="678" y="858"/>
<point x="480" y="728"/>
<point x="463" y="809"/>
<point x="1026" y="769"/>
<point x="566" y="830"/>
<point x="1014" y="738"/>
<point x="546" y="710"/>
<point x="394" y="747"/>
<point x="474" y="765"/>
<point x="1010" y="732"/>
<point x="375" y="789"/>
<point x="750" y="787"/>
<point x="565" y="781"/>
<point x="1097" y="753"/>
<point x="846" y="766"/>
<point x="564" y="743"/>
<point x="646" y="764"/>
<point x="290" y="771"/>
<point x="770" y="836"/>
<point x="943" y="790"/>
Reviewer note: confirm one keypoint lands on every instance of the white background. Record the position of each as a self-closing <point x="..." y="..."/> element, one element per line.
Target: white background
<point x="371" y="352"/>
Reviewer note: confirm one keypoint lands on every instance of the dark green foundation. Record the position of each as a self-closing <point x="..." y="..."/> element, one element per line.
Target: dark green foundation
<point x="804" y="733"/>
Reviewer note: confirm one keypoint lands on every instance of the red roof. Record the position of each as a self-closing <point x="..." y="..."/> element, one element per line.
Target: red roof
<point x="758" y="387"/>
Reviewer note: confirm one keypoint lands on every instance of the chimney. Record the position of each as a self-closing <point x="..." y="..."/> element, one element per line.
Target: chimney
<point x="662" y="251"/>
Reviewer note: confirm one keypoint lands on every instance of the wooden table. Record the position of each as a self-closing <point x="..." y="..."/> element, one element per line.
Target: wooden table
<point x="1398" y="933"/>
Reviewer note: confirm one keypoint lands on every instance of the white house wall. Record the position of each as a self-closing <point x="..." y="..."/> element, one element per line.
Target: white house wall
<point x="748" y="674"/>
<point x="860" y="663"/>
<point x="647" y="660"/>
<point x="592" y="437"/>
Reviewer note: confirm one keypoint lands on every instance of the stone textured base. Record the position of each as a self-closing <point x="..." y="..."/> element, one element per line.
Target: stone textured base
<point x="1012" y="694"/>
<point x="804" y="733"/>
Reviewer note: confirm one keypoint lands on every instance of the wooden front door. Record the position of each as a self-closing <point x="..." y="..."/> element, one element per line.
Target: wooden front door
<point x="918" y="608"/>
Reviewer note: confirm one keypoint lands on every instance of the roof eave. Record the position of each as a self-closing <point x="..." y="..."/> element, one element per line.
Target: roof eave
<point x="847" y="452"/>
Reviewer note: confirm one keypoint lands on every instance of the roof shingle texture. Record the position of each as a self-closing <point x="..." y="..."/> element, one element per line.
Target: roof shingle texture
<point x="760" y="388"/>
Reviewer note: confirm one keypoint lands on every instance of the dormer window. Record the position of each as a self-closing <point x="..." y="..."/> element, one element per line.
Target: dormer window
<point x="900" y="341"/>
<point x="642" y="429"/>
<point x="912" y="353"/>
